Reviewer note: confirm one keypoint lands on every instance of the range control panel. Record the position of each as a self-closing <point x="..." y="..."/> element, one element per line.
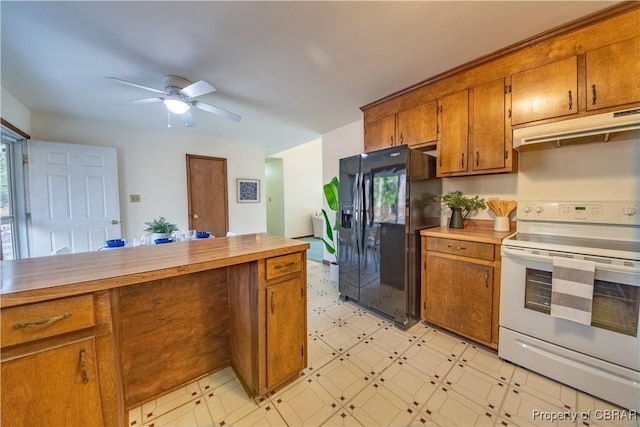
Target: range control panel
<point x="623" y="212"/>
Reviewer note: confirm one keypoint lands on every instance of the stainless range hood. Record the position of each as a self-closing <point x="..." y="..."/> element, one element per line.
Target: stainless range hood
<point x="597" y="128"/>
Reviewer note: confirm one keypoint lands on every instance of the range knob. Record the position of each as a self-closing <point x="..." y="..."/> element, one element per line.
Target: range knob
<point x="539" y="209"/>
<point x="527" y="209"/>
<point x="630" y="210"/>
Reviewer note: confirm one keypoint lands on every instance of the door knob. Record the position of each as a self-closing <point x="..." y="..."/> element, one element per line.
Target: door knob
<point x="196" y="216"/>
<point x="115" y="222"/>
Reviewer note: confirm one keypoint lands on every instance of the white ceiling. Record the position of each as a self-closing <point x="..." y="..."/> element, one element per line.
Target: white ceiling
<point x="292" y="70"/>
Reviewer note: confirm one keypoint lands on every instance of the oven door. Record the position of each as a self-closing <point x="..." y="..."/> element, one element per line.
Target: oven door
<point x="525" y="305"/>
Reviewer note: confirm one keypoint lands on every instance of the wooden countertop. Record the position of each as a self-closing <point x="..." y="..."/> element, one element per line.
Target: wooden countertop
<point x="478" y="231"/>
<point x="37" y="279"/>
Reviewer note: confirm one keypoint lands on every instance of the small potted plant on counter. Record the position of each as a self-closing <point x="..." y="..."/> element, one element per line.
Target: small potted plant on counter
<point x="160" y="228"/>
<point x="461" y="206"/>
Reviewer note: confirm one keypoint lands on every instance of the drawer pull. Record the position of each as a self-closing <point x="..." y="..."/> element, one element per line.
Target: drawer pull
<point x="287" y="265"/>
<point x="457" y="248"/>
<point x="83" y="367"/>
<point x="41" y="323"/>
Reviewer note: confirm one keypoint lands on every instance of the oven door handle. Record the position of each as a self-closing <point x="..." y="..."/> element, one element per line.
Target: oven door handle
<point x="520" y="253"/>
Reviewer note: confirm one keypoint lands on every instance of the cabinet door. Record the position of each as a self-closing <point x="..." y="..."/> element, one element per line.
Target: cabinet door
<point x="545" y="92"/>
<point x="459" y="296"/>
<point x="454" y="133"/>
<point x="57" y="387"/>
<point x="418" y="125"/>
<point x="285" y="331"/>
<point x="488" y="130"/>
<point x="612" y="75"/>
<point x="380" y="133"/>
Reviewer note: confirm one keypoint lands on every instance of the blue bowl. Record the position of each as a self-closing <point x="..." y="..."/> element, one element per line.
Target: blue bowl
<point x="163" y="240"/>
<point x="203" y="234"/>
<point x="115" y="243"/>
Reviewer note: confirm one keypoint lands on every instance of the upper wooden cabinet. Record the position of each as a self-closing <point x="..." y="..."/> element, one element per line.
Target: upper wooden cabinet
<point x="414" y="127"/>
<point x="474" y="136"/>
<point x="418" y="125"/>
<point x="571" y="71"/>
<point x="380" y="133"/>
<point x="453" y="139"/>
<point x="545" y="92"/>
<point x="612" y="74"/>
<point x="490" y="142"/>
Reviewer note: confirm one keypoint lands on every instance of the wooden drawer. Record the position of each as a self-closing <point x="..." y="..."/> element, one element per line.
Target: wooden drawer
<point x="283" y="265"/>
<point x="461" y="247"/>
<point x="46" y="319"/>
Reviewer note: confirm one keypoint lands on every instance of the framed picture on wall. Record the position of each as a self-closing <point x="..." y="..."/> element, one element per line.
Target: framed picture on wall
<point x="248" y="190"/>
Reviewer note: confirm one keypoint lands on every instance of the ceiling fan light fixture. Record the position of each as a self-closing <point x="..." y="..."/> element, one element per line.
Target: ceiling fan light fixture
<point x="176" y="106"/>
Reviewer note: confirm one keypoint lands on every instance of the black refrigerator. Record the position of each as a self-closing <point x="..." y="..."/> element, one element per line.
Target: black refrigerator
<point x="386" y="197"/>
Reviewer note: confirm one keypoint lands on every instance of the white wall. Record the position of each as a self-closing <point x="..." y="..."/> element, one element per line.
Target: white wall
<point x="302" y="175"/>
<point x="153" y="164"/>
<point x="275" y="196"/>
<point x="14" y="112"/>
<point x="342" y="142"/>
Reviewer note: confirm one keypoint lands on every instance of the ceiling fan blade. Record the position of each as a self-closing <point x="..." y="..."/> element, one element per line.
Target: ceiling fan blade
<point x="198" y="88"/>
<point x="188" y="120"/>
<point x="215" y="110"/>
<point x="141" y="101"/>
<point x="115" y="79"/>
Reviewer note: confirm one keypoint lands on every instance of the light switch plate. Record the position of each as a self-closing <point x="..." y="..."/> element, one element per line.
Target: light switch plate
<point x="134" y="198"/>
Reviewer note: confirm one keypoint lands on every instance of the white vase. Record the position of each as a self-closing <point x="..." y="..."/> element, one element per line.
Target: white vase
<point x="334" y="272"/>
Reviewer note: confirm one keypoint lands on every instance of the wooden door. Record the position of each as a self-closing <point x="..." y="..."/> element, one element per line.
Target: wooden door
<point x="612" y="75"/>
<point x="57" y="387"/>
<point x="285" y="347"/>
<point x="545" y="92"/>
<point x="418" y="125"/>
<point x="207" y="194"/>
<point x="379" y="134"/>
<point x="74" y="197"/>
<point x="454" y="133"/>
<point x="488" y="130"/>
<point x="459" y="296"/>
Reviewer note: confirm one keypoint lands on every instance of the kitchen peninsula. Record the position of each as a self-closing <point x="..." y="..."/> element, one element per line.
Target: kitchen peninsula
<point x="86" y="336"/>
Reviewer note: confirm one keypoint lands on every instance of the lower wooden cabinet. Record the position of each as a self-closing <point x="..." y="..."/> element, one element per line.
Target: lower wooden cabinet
<point x="58" y="364"/>
<point x="268" y="321"/>
<point x="461" y="287"/>
<point x="58" y="386"/>
<point x="459" y="296"/>
<point x="285" y="345"/>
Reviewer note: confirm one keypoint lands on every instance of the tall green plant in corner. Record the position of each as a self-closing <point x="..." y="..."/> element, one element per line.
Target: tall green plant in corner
<point x="331" y="196"/>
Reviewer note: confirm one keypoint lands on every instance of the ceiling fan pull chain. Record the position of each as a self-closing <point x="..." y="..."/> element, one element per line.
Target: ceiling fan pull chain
<point x="168" y="118"/>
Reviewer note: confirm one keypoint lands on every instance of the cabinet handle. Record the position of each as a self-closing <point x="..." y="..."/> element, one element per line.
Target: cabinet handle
<point x="457" y="248"/>
<point x="486" y="278"/>
<point x="391" y="140"/>
<point x="477" y="158"/>
<point x="570" y="101"/>
<point x="401" y="139"/>
<point x="593" y="94"/>
<point x="281" y="266"/>
<point x="83" y="367"/>
<point x="509" y="112"/>
<point x="273" y="303"/>
<point x="462" y="161"/>
<point x="41" y="323"/>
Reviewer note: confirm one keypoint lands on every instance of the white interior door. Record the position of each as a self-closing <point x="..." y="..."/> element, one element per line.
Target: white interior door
<point x="73" y="195"/>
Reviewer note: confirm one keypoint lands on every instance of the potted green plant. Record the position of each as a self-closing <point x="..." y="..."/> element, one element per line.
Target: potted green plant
<point x="461" y="206"/>
<point x="159" y="228"/>
<point x="331" y="231"/>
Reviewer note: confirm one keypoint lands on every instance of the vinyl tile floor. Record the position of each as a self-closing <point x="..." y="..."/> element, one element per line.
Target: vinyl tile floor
<point x="363" y="371"/>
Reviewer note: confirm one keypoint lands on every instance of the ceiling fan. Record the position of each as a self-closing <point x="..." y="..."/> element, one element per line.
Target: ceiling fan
<point x="178" y="96"/>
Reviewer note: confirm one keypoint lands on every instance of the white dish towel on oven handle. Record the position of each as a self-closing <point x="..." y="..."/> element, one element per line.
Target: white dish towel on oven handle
<point x="572" y="289"/>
